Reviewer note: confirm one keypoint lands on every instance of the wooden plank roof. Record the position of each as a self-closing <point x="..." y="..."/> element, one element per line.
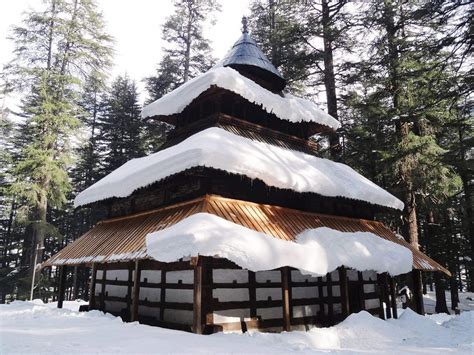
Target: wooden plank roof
<point x="123" y="239"/>
<point x="245" y="129"/>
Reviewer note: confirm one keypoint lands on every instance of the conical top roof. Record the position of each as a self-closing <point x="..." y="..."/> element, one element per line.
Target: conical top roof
<point x="245" y="54"/>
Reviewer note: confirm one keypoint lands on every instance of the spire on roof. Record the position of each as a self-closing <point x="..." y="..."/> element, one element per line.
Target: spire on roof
<point x="246" y="57"/>
<point x="244" y="24"/>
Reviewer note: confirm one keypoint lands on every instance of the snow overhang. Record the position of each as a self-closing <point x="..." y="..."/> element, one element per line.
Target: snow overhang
<point x="315" y="251"/>
<point x="219" y="149"/>
<point x="286" y="107"/>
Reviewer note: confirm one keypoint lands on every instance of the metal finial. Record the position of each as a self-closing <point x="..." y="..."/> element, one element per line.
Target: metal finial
<point x="244" y="24"/>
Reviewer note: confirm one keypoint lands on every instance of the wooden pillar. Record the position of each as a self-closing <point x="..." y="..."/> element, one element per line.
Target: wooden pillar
<point x="202" y="293"/>
<point x="92" y="286"/>
<point x="163" y="293"/>
<point x="74" y="283"/>
<point x="286" y="279"/>
<point x="62" y="285"/>
<point x="381" y="292"/>
<point x="131" y="268"/>
<point x="360" y="277"/>
<point x="330" y="300"/>
<point x="388" y="304"/>
<point x="418" y="291"/>
<point x="252" y="294"/>
<point x="393" y="296"/>
<point x="102" y="289"/>
<point x="344" y="291"/>
<point x="320" y="298"/>
<point x="136" y="291"/>
<point x="384" y="295"/>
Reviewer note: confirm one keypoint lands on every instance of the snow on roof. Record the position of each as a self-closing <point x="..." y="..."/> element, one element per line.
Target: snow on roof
<point x="286" y="107"/>
<point x="316" y="251"/>
<point x="220" y="149"/>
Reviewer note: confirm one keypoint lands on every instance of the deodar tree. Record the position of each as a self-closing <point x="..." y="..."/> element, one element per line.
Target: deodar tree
<point x="187" y="54"/>
<point x="56" y="49"/>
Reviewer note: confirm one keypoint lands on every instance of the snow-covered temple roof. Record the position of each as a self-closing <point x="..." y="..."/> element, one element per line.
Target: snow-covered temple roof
<point x="315" y="251"/>
<point x="285" y="106"/>
<point x="220" y="149"/>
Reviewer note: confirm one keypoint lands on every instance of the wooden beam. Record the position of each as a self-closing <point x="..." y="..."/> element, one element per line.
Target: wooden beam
<point x="163" y="294"/>
<point x="62" y="285"/>
<point x="74" y="283"/>
<point x="393" y="297"/>
<point x="131" y="267"/>
<point x="252" y="294"/>
<point x="286" y="279"/>
<point x="202" y="297"/>
<point x="102" y="289"/>
<point x="330" y="300"/>
<point x="381" y="292"/>
<point x="198" y="326"/>
<point x="344" y="291"/>
<point x="383" y="284"/>
<point x="320" y="298"/>
<point x="92" y="286"/>
<point x="360" y="277"/>
<point x="136" y="291"/>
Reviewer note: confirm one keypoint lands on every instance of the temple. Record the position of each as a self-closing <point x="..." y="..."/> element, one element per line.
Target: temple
<point x="236" y="223"/>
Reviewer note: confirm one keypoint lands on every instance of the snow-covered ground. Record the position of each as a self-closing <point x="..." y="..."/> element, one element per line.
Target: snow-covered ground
<point x="466" y="301"/>
<point x="37" y="328"/>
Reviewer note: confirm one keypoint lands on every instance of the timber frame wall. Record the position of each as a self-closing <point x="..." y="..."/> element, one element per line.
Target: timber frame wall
<point x="207" y="295"/>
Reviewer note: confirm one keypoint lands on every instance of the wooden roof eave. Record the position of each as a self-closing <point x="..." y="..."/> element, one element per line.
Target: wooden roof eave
<point x="279" y="222"/>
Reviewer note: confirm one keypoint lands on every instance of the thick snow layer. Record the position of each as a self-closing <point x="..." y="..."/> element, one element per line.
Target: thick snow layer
<point x="316" y="251"/>
<point x="37" y="328"/>
<point x="286" y="107"/>
<point x="220" y="149"/>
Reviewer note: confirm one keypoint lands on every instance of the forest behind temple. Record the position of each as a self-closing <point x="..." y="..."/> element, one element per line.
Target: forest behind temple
<point x="397" y="75"/>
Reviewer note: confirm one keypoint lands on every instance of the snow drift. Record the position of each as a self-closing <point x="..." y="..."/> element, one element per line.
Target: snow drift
<point x="220" y="149"/>
<point x="286" y="107"/>
<point x="37" y="328"/>
<point x="316" y="251"/>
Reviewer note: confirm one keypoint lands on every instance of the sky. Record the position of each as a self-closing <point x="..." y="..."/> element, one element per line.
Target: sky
<point x="136" y="27"/>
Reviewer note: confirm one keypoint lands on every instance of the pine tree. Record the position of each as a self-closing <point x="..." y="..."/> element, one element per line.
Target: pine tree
<point x="278" y="29"/>
<point x="187" y="54"/>
<point x="56" y="50"/>
<point x="121" y="126"/>
<point x="402" y="115"/>
<point x="302" y="40"/>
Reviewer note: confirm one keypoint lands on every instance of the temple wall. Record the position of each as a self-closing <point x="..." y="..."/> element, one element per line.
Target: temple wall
<point x="238" y="298"/>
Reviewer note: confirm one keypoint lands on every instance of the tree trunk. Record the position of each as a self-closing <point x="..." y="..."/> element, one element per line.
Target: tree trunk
<point x="7" y="240"/>
<point x="468" y="208"/>
<point x="410" y="227"/>
<point x="329" y="78"/>
<point x="187" y="57"/>
<point x="441" y="305"/>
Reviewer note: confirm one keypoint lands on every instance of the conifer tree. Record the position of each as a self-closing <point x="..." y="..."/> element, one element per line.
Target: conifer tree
<point x="187" y="54"/>
<point x="121" y="126"/>
<point x="278" y="29"/>
<point x="55" y="51"/>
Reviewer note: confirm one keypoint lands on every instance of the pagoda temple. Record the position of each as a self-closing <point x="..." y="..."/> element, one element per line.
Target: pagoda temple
<point x="236" y="223"/>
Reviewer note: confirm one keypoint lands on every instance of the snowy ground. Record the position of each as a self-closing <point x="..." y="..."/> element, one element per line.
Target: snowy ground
<point x="34" y="328"/>
<point x="466" y="301"/>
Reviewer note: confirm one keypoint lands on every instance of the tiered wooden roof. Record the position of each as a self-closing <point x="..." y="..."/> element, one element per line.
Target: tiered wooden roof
<point x="123" y="239"/>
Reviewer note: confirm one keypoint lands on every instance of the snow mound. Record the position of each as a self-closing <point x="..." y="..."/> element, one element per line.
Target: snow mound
<point x="286" y="107"/>
<point x="219" y="149"/>
<point x="409" y="318"/>
<point x="316" y="251"/>
<point x="36" y="328"/>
